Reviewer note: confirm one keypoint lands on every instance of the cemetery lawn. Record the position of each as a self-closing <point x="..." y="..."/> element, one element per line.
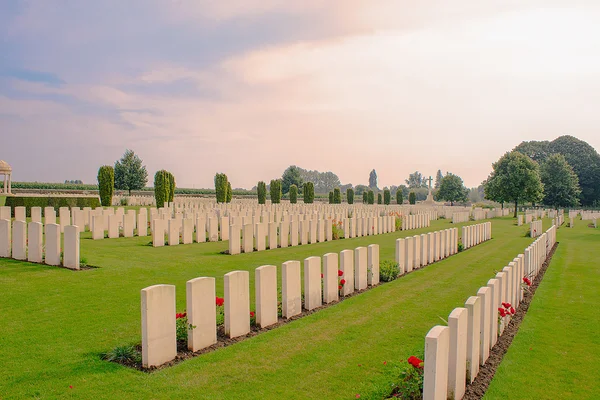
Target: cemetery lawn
<point x="556" y="353"/>
<point x="54" y="323"/>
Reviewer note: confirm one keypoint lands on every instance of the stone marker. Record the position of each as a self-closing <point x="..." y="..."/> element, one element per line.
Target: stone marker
<point x="187" y="235"/>
<point x="473" y="305"/>
<point x="260" y="236"/>
<point x="330" y="278"/>
<point x="272" y="235"/>
<point x="224" y="232"/>
<point x="5" y="238"/>
<point x="291" y="300"/>
<point x="373" y="265"/>
<point x="409" y="261"/>
<point x="159" y="339"/>
<point x="457" y="359"/>
<point x="35" y="242"/>
<point x="266" y="295"/>
<point x="401" y="255"/>
<point x="71" y="246"/>
<point x="201" y="312"/>
<point x="435" y="379"/>
<point x="494" y="304"/>
<point x="36" y="214"/>
<point x="20" y="214"/>
<point x="174" y="226"/>
<point x="312" y="283"/>
<point x="284" y="232"/>
<point x="237" y="303"/>
<point x="158" y="234"/>
<point x="52" y="244"/>
<point x="19" y="240"/>
<point x="113" y="226"/>
<point x="142" y="224"/>
<point x="347" y="268"/>
<point x="248" y="239"/>
<point x="484" y="295"/>
<point x="360" y="268"/>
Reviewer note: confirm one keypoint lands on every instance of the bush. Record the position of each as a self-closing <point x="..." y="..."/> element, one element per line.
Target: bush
<point x="379" y="198"/>
<point x="124" y="201"/>
<point x="399" y="199"/>
<point x="123" y="355"/>
<point x="275" y="191"/>
<point x="171" y="178"/>
<point x="161" y="188"/>
<point x="337" y="196"/>
<point x="309" y="193"/>
<point x="293" y="194"/>
<point x="398" y="223"/>
<point x="388" y="271"/>
<point x="56" y="202"/>
<point x="412" y="198"/>
<point x="365" y="197"/>
<point x="371" y="195"/>
<point x="330" y="197"/>
<point x="106" y="184"/>
<point x="221" y="187"/>
<point x="229" y="193"/>
<point x="460" y="246"/>
<point x="387" y="197"/>
<point x="350" y="195"/>
<point x="261" y="189"/>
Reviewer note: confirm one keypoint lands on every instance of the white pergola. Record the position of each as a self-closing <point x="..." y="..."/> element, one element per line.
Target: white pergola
<point x="6" y="171"/>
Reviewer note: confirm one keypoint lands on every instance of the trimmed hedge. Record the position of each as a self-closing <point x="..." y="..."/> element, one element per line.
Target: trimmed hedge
<point x="229" y="193"/>
<point x="261" y="189"/>
<point x="365" y="197"/>
<point x="399" y="199"/>
<point x="330" y="197"/>
<point x="379" y="198"/>
<point x="371" y="197"/>
<point x="350" y="195"/>
<point x="387" y="197"/>
<point x="171" y="187"/>
<point x="293" y="194"/>
<point x="106" y="184"/>
<point x="56" y="202"/>
<point x="221" y="187"/>
<point x="309" y="192"/>
<point x="161" y="188"/>
<point x="275" y="188"/>
<point x="412" y="198"/>
<point x="337" y="196"/>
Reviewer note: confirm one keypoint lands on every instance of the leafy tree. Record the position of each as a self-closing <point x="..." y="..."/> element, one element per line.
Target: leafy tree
<point x="171" y="196"/>
<point x="261" y="190"/>
<point x="291" y="176"/>
<point x="106" y="184"/>
<point x="293" y="194"/>
<point x="537" y="151"/>
<point x="221" y="187"/>
<point x="438" y="179"/>
<point x="275" y="188"/>
<point x="371" y="197"/>
<point x="130" y="174"/>
<point x="309" y="193"/>
<point x="373" y="180"/>
<point x="360" y="189"/>
<point x="365" y="197"/>
<point x="415" y="180"/>
<point x="412" y="198"/>
<point x="350" y="196"/>
<point x="452" y="189"/>
<point x="324" y="182"/>
<point x="161" y="187"/>
<point x="515" y="178"/>
<point x="561" y="185"/>
<point x="399" y="198"/>
<point x="387" y="197"/>
<point x="337" y="196"/>
<point x="330" y="197"/>
<point x="229" y="193"/>
<point x="379" y="198"/>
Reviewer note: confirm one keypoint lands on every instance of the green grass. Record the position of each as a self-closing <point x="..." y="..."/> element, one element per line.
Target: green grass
<point x="55" y="323"/>
<point x="556" y="353"/>
<point x="2" y="200"/>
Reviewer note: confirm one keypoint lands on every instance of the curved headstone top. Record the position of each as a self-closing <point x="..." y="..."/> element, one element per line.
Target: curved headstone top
<point x="4" y="167"/>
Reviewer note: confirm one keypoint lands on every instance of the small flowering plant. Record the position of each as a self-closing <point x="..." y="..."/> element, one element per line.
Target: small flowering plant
<point x="182" y="326"/>
<point x="526" y="284"/>
<point x="341" y="281"/>
<point x="410" y="386"/>
<point x="506" y="310"/>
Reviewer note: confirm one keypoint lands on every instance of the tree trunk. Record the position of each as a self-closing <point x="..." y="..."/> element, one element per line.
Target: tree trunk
<point x="516" y="204"/>
<point x="130" y="192"/>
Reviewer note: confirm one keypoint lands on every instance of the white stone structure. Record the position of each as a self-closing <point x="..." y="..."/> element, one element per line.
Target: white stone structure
<point x="6" y="172"/>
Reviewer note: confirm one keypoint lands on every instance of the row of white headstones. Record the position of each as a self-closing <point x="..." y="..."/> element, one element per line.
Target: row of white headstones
<point x="454" y="353"/>
<point x="360" y="269"/>
<point x="25" y="241"/>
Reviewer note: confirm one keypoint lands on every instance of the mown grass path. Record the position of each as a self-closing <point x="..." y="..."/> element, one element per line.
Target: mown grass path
<point x="556" y="353"/>
<point x="55" y="322"/>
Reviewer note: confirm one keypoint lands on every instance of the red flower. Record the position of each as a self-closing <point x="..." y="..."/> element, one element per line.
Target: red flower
<point x="512" y="310"/>
<point x="220" y="301"/>
<point x="340" y="272"/>
<point x="502" y="311"/>
<point x="342" y="282"/>
<point x="321" y="276"/>
<point x="340" y="287"/>
<point x="385" y="363"/>
<point x="70" y="387"/>
<point x="506" y="305"/>
<point x="252" y="314"/>
<point x="415" y="362"/>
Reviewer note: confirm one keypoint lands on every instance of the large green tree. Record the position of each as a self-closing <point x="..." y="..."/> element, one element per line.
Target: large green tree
<point x="438" y="179"/>
<point x="373" y="180"/>
<point x="561" y="185"/>
<point x="130" y="174"/>
<point x="515" y="178"/>
<point x="221" y="187"/>
<point x="291" y="176"/>
<point x="452" y="189"/>
<point x="106" y="183"/>
<point x="415" y="180"/>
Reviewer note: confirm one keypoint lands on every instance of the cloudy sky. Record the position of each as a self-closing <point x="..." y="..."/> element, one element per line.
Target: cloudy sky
<point x="249" y="87"/>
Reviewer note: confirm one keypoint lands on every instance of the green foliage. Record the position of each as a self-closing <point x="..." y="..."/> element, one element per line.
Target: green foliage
<point x="229" y="193"/>
<point x="561" y="185"/>
<point x="50" y="186"/>
<point x="416" y="180"/>
<point x="171" y="178"/>
<point x="460" y="246"/>
<point x="452" y="189"/>
<point x="438" y="179"/>
<point x="373" y="180"/>
<point x="399" y="198"/>
<point x="388" y="270"/>
<point x="130" y="174"/>
<point x="309" y="193"/>
<point x="293" y="194"/>
<point x="161" y="188"/>
<point x="337" y="196"/>
<point x="323" y="182"/>
<point x="365" y="197"/>
<point x="410" y="385"/>
<point x="275" y="188"/>
<point x="291" y="176"/>
<point x="387" y="197"/>
<point x="412" y="198"/>
<point x="360" y="189"/>
<point x="123" y="355"/>
<point x="584" y="159"/>
<point x="221" y="187"/>
<point x="106" y="184"/>
<point x="261" y="189"/>
<point x="515" y="178"/>
<point x="350" y="195"/>
<point x="379" y="198"/>
<point x="371" y="197"/>
<point x="50" y="201"/>
<point x="330" y="197"/>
